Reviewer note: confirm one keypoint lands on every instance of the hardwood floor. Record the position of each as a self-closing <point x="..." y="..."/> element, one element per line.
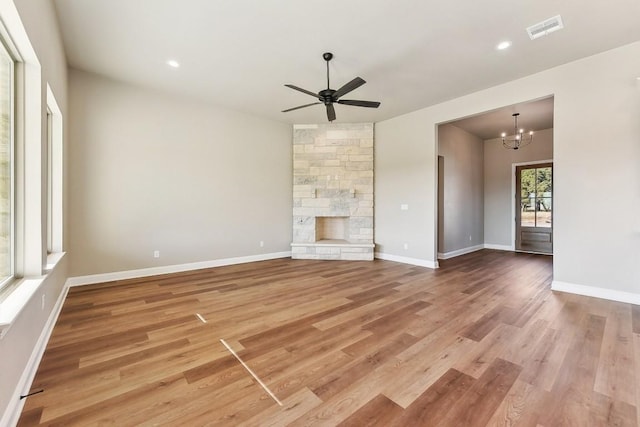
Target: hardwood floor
<point x="480" y="341"/>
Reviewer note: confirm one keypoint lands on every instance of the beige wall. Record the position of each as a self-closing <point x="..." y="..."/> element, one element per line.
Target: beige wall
<point x="40" y="21"/>
<point x="461" y="214"/>
<point x="20" y="341"/>
<point x="151" y="171"/>
<point x="404" y="165"/>
<point x="498" y="177"/>
<point x="596" y="151"/>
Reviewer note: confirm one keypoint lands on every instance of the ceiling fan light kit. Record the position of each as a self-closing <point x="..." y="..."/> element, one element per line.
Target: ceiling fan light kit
<point x="329" y="96"/>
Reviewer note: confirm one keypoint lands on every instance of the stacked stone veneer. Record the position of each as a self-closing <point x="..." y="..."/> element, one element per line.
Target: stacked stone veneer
<point x="333" y="177"/>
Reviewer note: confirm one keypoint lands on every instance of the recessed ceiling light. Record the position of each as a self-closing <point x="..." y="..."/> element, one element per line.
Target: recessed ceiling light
<point x="173" y="63"/>
<point x="503" y="45"/>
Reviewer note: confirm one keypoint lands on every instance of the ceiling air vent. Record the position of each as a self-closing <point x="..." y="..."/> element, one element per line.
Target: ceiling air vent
<point x="545" y="27"/>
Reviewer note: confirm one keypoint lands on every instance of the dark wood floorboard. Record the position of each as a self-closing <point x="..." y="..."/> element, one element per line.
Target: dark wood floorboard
<point x="480" y="341"/>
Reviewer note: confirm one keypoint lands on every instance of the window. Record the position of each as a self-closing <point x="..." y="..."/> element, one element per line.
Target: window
<point x="22" y="182"/>
<point x="54" y="175"/>
<point x="536" y="196"/>
<point x="7" y="181"/>
<point x="49" y="180"/>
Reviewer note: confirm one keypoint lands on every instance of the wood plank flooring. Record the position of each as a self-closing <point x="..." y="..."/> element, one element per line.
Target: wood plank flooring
<point x="480" y="341"/>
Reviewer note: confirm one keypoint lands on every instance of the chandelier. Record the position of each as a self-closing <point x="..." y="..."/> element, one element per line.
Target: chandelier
<point x="519" y="139"/>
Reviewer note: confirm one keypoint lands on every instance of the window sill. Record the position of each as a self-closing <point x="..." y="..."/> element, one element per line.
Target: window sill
<point x="13" y="304"/>
<point x="52" y="260"/>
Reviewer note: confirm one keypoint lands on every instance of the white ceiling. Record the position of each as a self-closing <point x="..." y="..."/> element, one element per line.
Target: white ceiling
<point x="534" y="116"/>
<point x="239" y="53"/>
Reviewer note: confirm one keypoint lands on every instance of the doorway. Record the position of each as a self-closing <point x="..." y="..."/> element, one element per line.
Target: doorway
<point x="483" y="206"/>
<point x="534" y="208"/>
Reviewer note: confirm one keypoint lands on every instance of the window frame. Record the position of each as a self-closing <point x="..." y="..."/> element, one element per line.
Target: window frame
<point x="54" y="212"/>
<point x="29" y="250"/>
<point x="9" y="48"/>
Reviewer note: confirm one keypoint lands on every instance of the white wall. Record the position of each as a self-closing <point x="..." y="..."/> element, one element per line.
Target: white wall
<point x="21" y="341"/>
<point x="498" y="176"/>
<point x="596" y="151"/>
<point x="461" y="216"/>
<point x="151" y="171"/>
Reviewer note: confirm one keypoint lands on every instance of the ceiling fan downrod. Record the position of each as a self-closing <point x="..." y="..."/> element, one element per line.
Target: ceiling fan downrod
<point x="327" y="57"/>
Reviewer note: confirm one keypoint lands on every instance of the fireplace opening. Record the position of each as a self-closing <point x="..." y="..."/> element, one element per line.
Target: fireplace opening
<point x="334" y="228"/>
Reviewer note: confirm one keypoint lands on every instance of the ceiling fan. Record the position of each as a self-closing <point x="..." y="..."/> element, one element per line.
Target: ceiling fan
<point x="329" y="96"/>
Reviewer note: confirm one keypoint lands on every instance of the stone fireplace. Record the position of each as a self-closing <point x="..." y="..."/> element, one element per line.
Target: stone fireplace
<point x="333" y="192"/>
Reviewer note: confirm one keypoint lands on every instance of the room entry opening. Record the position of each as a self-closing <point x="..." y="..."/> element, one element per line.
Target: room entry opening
<point x="534" y="208"/>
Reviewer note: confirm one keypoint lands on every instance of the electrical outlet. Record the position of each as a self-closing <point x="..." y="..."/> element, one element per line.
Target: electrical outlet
<point x="43" y="300"/>
<point x="404" y="207"/>
<point x="156" y="254"/>
<point x="261" y="244"/>
<point x="469" y="237"/>
<point x="406" y="246"/>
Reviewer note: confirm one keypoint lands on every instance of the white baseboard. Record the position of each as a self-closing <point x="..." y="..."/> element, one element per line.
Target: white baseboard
<point x="153" y="271"/>
<point x="14" y="409"/>
<point x="499" y="247"/>
<point x="406" y="260"/>
<point x="452" y="254"/>
<point x="592" y="291"/>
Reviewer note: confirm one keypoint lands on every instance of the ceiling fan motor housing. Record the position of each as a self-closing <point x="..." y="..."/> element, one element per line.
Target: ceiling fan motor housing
<point x="326" y="96"/>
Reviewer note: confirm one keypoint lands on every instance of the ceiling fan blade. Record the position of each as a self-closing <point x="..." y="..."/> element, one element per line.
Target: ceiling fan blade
<point x="301" y="106"/>
<point x="352" y="85"/>
<point x="331" y="112"/>
<point x="369" y="104"/>
<point x="299" y="89"/>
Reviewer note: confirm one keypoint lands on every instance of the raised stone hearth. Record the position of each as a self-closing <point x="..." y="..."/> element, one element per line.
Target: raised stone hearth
<point x="333" y="192"/>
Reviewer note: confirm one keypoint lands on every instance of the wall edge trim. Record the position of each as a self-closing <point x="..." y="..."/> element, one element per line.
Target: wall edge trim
<point x="14" y="409"/>
<point x="596" y="292"/>
<point x="499" y="247"/>
<point x="407" y="260"/>
<point x="458" y="252"/>
<point x="168" y="269"/>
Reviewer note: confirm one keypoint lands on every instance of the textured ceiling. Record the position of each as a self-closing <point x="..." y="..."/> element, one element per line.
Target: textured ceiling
<point x="238" y="54"/>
